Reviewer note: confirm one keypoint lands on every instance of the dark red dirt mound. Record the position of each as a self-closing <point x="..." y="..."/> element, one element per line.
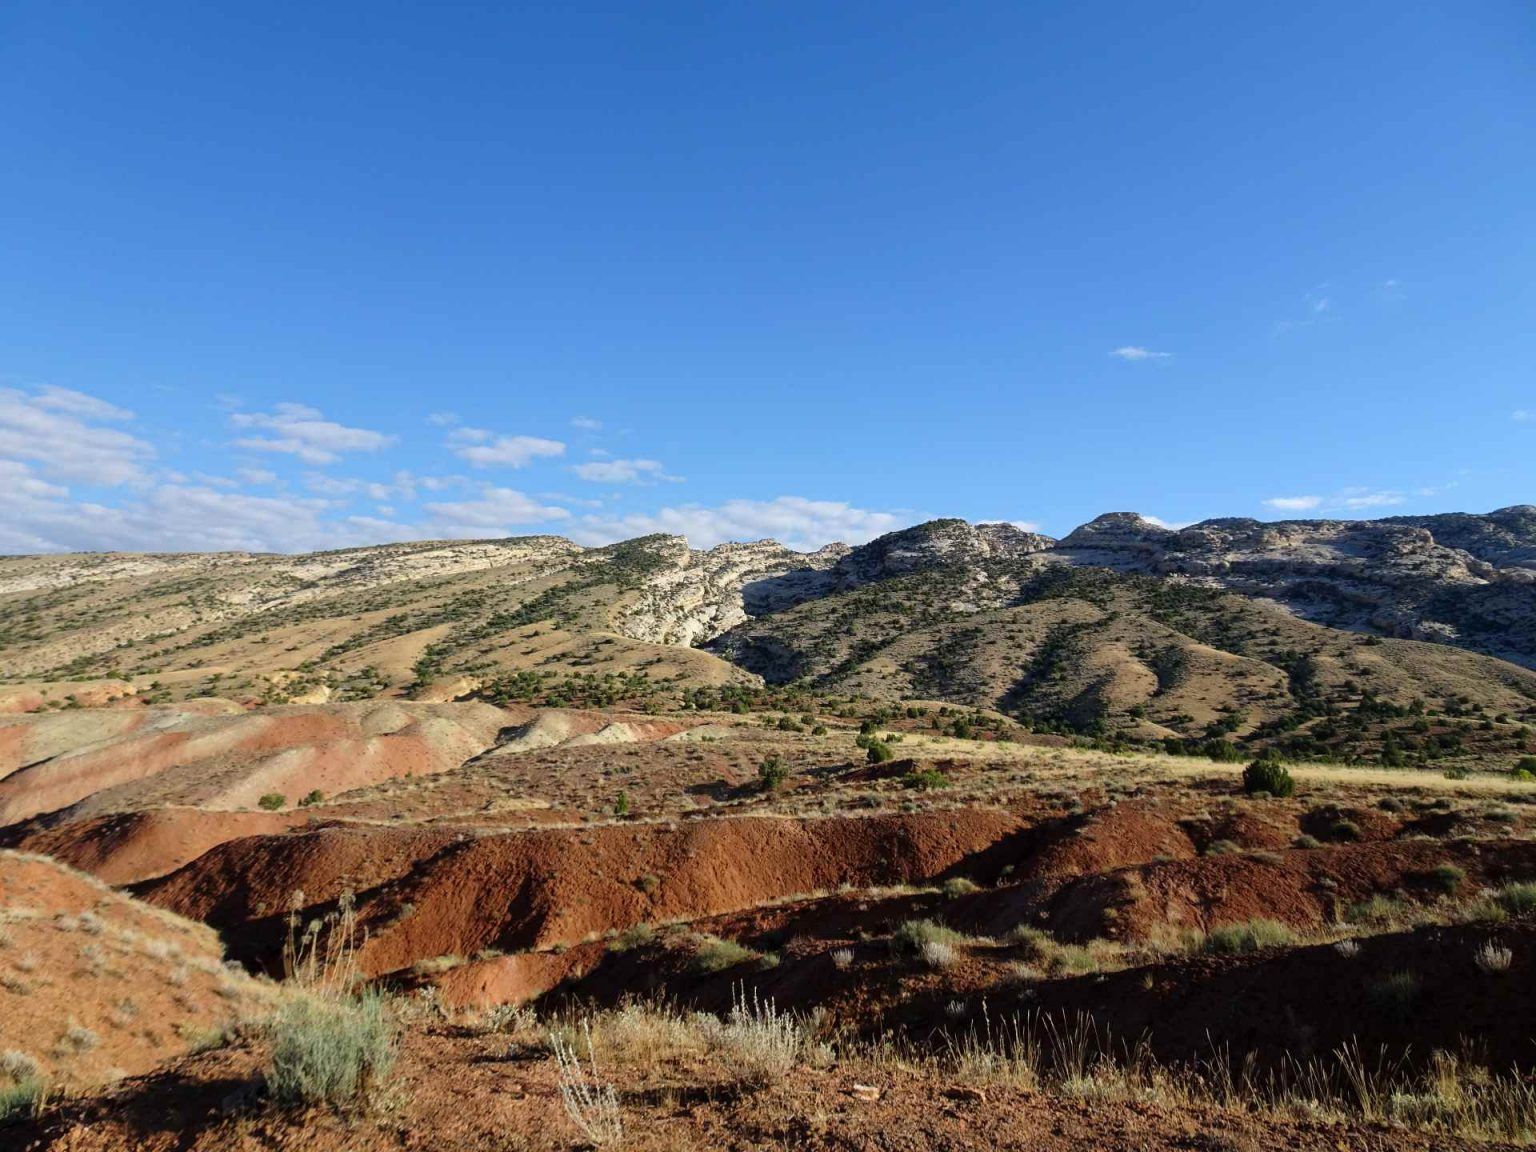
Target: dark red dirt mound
<point x="130" y="847"/>
<point x="423" y="894"/>
<point x="1134" y="832"/>
<point x="1303" y="889"/>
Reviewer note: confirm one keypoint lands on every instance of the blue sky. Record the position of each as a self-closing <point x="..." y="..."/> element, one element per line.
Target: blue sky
<point x="291" y="276"/>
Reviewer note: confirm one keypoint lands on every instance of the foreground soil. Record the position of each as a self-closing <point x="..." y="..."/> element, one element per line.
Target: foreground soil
<point x="457" y="1090"/>
<point x="95" y="985"/>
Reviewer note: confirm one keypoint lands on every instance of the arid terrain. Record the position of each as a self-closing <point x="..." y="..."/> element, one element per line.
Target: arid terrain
<point x="1218" y="838"/>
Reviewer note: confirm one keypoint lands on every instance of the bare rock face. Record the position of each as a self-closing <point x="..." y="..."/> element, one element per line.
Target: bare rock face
<point x="704" y="594"/>
<point x="1124" y="540"/>
<point x="936" y="544"/>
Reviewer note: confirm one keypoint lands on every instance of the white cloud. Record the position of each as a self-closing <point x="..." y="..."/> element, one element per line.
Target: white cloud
<point x="586" y="423"/>
<point x="495" y="511"/>
<point x="1136" y="352"/>
<point x="79" y="404"/>
<point x="403" y="486"/>
<point x="174" y="518"/>
<point x="302" y="431"/>
<point x="1021" y="525"/>
<point x="1347" y="500"/>
<point x="624" y="472"/>
<point x="1355" y="498"/>
<point x="791" y="520"/>
<point x="61" y="432"/>
<point x="256" y="476"/>
<point x="484" y="449"/>
<point x="1523" y="414"/>
<point x="443" y="419"/>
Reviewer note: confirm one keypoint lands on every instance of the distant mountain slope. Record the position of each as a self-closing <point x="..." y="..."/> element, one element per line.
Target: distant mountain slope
<point x="1225" y="627"/>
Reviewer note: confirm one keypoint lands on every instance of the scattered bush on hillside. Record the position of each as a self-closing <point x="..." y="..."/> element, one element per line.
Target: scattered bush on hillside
<point x="927" y="939"/>
<point x="1249" y="936"/>
<point x="1395" y="995"/>
<point x="1447" y="878"/>
<point x="713" y="954"/>
<point x="330" y="1050"/>
<point x="1493" y="959"/>
<point x="590" y="1102"/>
<point x="879" y="752"/>
<point x="272" y="801"/>
<point x="772" y="773"/>
<point x="1516" y="898"/>
<point x="1268" y="775"/>
<point x="925" y="779"/>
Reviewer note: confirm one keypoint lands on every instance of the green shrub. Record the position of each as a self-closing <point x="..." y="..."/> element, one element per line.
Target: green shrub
<point x="308" y="800"/>
<point x="272" y="801"/>
<point x="330" y="1051"/>
<point x="915" y="935"/>
<point x="879" y="752"/>
<point x="621" y="804"/>
<point x="1379" y="911"/>
<point x="1267" y="774"/>
<point x="925" y="779"/>
<point x="1447" y="878"/>
<point x="1517" y="898"/>
<point x="20" y="1098"/>
<point x="1250" y="936"/>
<point x="960" y="886"/>
<point x="712" y="954"/>
<point x="636" y="936"/>
<point x="1395" y="995"/>
<point x="1345" y="830"/>
<point x="772" y="773"/>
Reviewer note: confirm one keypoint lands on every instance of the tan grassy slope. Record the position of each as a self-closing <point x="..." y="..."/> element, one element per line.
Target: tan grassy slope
<point x="353" y="624"/>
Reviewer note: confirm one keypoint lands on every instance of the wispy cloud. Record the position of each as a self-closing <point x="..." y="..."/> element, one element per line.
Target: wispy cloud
<point x="792" y="520"/>
<point x="485" y="449"/>
<point x="624" y="472"/>
<point x="1135" y="352"/>
<point x="302" y="431"/>
<point x="1357" y="498"/>
<point x="586" y="423"/>
<point x="1522" y="415"/>
<point x="496" y="510"/>
<point x="71" y="436"/>
<point x="1346" y="500"/>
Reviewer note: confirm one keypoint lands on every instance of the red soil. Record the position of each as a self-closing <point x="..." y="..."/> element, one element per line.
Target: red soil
<point x="432" y="893"/>
<point x="177" y="756"/>
<point x="95" y="985"/>
<point x="130" y="847"/>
